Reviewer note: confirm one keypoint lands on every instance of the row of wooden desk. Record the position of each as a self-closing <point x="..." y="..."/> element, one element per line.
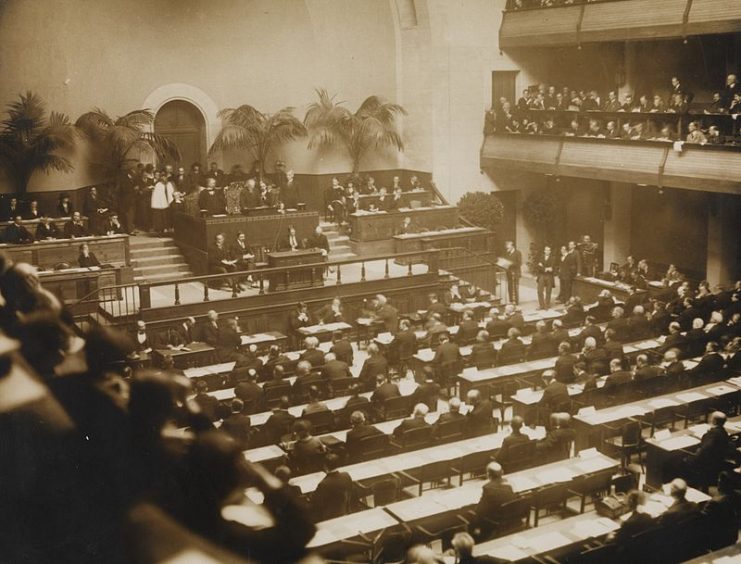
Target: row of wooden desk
<point x="377" y="226"/>
<point x="474" y="239"/>
<point x="109" y="249"/>
<point x="32" y="224"/>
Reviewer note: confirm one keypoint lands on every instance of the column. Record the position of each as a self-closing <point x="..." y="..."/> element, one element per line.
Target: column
<point x="617" y="230"/>
<point x="724" y="248"/>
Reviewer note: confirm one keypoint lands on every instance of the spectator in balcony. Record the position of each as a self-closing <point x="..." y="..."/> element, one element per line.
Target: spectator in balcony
<point x="524" y="102"/>
<point x="628" y="104"/>
<point x="636" y="131"/>
<point x="612" y="104"/>
<point x="625" y="131"/>
<point x="549" y="127"/>
<point x="695" y="134"/>
<point x="595" y="129"/>
<point x="560" y="103"/>
<point x="504" y="119"/>
<point x="716" y="105"/>
<point x="643" y="105"/>
<point x="658" y="105"/>
<point x="679" y="89"/>
<point x="611" y="130"/>
<point x="514" y="126"/>
<point x="735" y="107"/>
<point x="574" y="130"/>
<point x="678" y="104"/>
<point x="537" y="102"/>
<point x="714" y="135"/>
<point x="490" y="122"/>
<point x="550" y="98"/>
<point x="731" y="90"/>
<point x="591" y="102"/>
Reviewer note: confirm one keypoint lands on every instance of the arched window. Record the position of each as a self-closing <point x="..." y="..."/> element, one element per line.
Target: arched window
<point x="184" y="125"/>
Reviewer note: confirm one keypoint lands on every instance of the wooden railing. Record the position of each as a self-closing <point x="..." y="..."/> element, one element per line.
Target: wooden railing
<point x="479" y="269"/>
<point x="521" y="5"/>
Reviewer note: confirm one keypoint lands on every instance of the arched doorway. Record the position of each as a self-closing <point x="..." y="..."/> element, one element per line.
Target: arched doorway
<point x="184" y="125"/>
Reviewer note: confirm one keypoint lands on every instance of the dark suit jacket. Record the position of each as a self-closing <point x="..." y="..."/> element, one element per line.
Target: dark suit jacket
<point x="295" y="323"/>
<point x="88" y="261"/>
<point x="390" y="317"/>
<point x="565" y="368"/>
<point x="278" y="423"/>
<point x="72" y="229"/>
<point x="210" y="334"/>
<point x="497" y="328"/>
<point x="467" y="331"/>
<point x="318" y="242"/>
<point x="712" y="450"/>
<point x="46" y="231"/>
<point x="314" y="356"/>
<point x="250" y="393"/>
<point x="385" y="391"/>
<point x="555" y="396"/>
<point x="332" y="496"/>
<point x="186" y="334"/>
<point x="336" y="369"/>
<point x="512" y="351"/>
<point x="483" y="354"/>
<point x="211" y="204"/>
<point x="636" y="523"/>
<point x="479" y="419"/>
<point x="372" y="367"/>
<point x="677" y="511"/>
<point x="618" y="378"/>
<point x="17" y="234"/>
<point x="493" y="496"/>
<point x="447" y="352"/>
<point x="516" y="258"/>
<point x="342" y="349"/>
<point x="409" y="424"/>
<point x="405" y="340"/>
<point x="647" y="373"/>
<point x="356" y="434"/>
<point x="238" y="427"/>
<point x="510" y="441"/>
<point x="621" y="328"/>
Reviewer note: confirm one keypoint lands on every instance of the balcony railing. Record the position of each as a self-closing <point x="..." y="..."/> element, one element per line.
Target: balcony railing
<point x="519" y="5"/>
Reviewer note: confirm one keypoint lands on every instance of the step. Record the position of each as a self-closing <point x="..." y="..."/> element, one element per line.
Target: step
<point x="159" y="259"/>
<point x="155" y="251"/>
<point x="158" y="277"/>
<point x="150" y="242"/>
<point x="173" y="269"/>
<point x="338" y="239"/>
<point x="342" y="256"/>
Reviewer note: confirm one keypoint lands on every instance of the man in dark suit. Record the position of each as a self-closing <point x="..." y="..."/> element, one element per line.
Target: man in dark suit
<point x="318" y="240"/>
<point x="210" y="331"/>
<point x="619" y="325"/>
<point x="555" y="394"/>
<point x="280" y="421"/>
<point x="312" y="354"/>
<point x="673" y="367"/>
<point x="207" y="403"/>
<point x="675" y="339"/>
<point x="240" y="250"/>
<point x="416" y="421"/>
<point x="645" y="370"/>
<point x="467" y="328"/>
<point x="544" y="270"/>
<point x="333" y="494"/>
<point x="292" y="241"/>
<point x="87" y="258"/>
<point x="565" y="362"/>
<point x="16" y="233"/>
<point x="46" y="229"/>
<point x="617" y="376"/>
<point x="405" y="341"/>
<point x="250" y="392"/>
<point x="479" y="419"/>
<point x="680" y="507"/>
<point x="514" y="271"/>
<point x="305" y="378"/>
<point x="387" y="314"/>
<point x="494" y="494"/>
<point x="221" y="260"/>
<point x="435" y="306"/>
<point x="238" y="425"/>
<point x="143" y="342"/>
<point x="298" y="318"/>
<point x="453" y="413"/>
<point x="447" y="352"/>
<point x="375" y="365"/>
<point x="342" y="348"/>
<point x="186" y="331"/>
<point x="513" y="350"/>
<point x="712" y="362"/>
<point x="211" y="202"/>
<point x="636" y="523"/>
<point x="334" y="369"/>
<point x="11" y="210"/>
<point x="567" y="269"/>
<point x="709" y="457"/>
<point x="331" y="312"/>
<point x="74" y="227"/>
<point x="613" y="348"/>
<point x="496" y="325"/>
<point x="591" y="329"/>
<point x="385" y="389"/>
<point x="558" y="439"/>
<point x="360" y="430"/>
<point x="517" y="437"/>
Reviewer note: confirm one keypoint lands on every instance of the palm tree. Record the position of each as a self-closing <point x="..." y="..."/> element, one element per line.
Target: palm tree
<point x="247" y="129"/>
<point x="116" y="141"/>
<point x="30" y="141"/>
<point x="373" y="125"/>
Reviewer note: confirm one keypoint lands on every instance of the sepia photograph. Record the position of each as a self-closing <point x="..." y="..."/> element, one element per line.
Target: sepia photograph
<point x="370" y="281"/>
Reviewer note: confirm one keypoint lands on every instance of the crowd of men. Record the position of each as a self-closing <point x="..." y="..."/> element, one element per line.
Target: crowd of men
<point x="536" y="113"/>
<point x="525" y="4"/>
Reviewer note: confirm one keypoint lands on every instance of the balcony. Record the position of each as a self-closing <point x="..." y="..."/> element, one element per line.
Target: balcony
<point x="617" y="20"/>
<point x="710" y="168"/>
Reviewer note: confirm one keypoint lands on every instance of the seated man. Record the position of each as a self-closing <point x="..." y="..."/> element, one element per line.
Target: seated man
<point x="307" y="447"/>
<point x="342" y="348"/>
<point x="446" y="354"/>
<point x="86" y="259"/>
<point x="565" y="363"/>
<point x="375" y="365"/>
<point x="333" y="494"/>
<point x="555" y="394"/>
<point x="480" y="419"/>
<point x="483" y="352"/>
<point x="74" y="227"/>
<point x="46" y="229"/>
<point x="335" y="369"/>
<point x="220" y="260"/>
<point x="385" y="389"/>
<point x="617" y="376"/>
<point x="315" y="405"/>
<point x="709" y="458"/>
<point x="245" y="259"/>
<point x="680" y="506"/>
<point x="211" y="202"/>
<point x="229" y="342"/>
<point x="360" y="430"/>
<point x="16" y="233"/>
<point x="467" y="329"/>
<point x="331" y="312"/>
<point x="250" y="392"/>
<point x="297" y="319"/>
<point x="416" y="421"/>
<point x="494" y="493"/>
<point x="513" y="350"/>
<point x="312" y="354"/>
<point x="557" y="442"/>
<point x="517" y="437"/>
<point x="636" y="522"/>
<point x="644" y="369"/>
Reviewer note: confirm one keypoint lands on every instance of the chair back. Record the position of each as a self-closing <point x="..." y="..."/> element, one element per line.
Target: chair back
<point x="417" y="438"/>
<point x="273" y="394"/>
<point x="386" y="491"/>
<point x="631" y="434"/>
<point x="321" y="421"/>
<point x="452" y="430"/>
<point x="519" y="456"/>
<point x="368" y="448"/>
<point x="396" y="408"/>
<point x="340" y="386"/>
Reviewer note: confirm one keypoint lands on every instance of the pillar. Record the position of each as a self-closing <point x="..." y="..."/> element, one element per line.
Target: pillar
<point x="724" y="247"/>
<point x="617" y="225"/>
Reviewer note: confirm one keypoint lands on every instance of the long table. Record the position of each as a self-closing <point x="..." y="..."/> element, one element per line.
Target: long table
<point x="74" y="284"/>
<point x="377" y="226"/>
<point x="662" y="451"/>
<point x="587" y="423"/>
<point x="424" y="197"/>
<point x="109" y="249"/>
<point x="471" y="238"/>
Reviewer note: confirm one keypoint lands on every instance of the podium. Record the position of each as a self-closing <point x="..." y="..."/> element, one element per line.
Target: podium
<point x="298" y="278"/>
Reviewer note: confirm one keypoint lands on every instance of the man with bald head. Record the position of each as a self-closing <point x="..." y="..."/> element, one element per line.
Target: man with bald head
<point x="494" y="493"/>
<point x="479" y="419"/>
<point x="709" y="457"/>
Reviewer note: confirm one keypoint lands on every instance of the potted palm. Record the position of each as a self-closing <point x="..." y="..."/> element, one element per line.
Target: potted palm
<point x="31" y="141"/>
<point x="247" y="129"/>
<point x="372" y="126"/>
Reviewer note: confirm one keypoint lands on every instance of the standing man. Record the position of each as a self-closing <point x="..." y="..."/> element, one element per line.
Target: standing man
<point x="544" y="271"/>
<point x="567" y="271"/>
<point x="588" y="251"/>
<point x="93" y="208"/>
<point x="514" y="271"/>
<point x="245" y="259"/>
<point x="126" y="198"/>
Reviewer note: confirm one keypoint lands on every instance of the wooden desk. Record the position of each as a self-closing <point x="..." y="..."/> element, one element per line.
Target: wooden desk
<point x="588" y="289"/>
<point x="662" y="453"/>
<point x="372" y="470"/>
<point x="351" y="526"/>
<point x="109" y="249"/>
<point x="197" y="354"/>
<point x="324" y="329"/>
<point x="471" y="238"/>
<point x="304" y="278"/>
<point x="727" y="555"/>
<point x="74" y="284"/>
<point x="588" y="423"/>
<point x="377" y="226"/>
<point x="263" y="340"/>
<point x="525" y="481"/>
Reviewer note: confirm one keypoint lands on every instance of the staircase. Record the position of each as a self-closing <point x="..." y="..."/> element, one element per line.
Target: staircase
<point x="157" y="258"/>
<point x="339" y="245"/>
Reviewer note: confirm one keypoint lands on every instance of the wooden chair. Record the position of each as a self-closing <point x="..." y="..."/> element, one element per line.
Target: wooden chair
<point x="629" y="442"/>
<point x="414" y="439"/>
<point x="321" y="421"/>
<point x="549" y="497"/>
<point x="436" y="474"/>
<point x="449" y="431"/>
<point x="472" y="464"/>
<point x="396" y="408"/>
<point x="592" y="485"/>
<point x="368" y="448"/>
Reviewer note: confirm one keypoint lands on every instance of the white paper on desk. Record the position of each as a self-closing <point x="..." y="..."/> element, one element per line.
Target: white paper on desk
<point x="588" y="453"/>
<point x="662" y="435"/>
<point x="384" y="338"/>
<point x="720" y="390"/>
<point x="699" y="430"/>
<point x="509" y="553"/>
<point x="727" y="560"/>
<point x="592" y="464"/>
<point x="676" y="443"/>
<point x="660" y="403"/>
<point x="689" y="397"/>
<point x="588" y="410"/>
<point x="548" y="541"/>
<point x="736" y="381"/>
<point x="556" y="475"/>
<point x="522" y="483"/>
<point x="594" y="528"/>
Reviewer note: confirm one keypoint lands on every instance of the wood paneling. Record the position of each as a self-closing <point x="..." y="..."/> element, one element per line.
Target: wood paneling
<point x="714" y="16"/>
<point x="528" y="28"/>
<point x="702" y="168"/>
<point x="45" y="254"/>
